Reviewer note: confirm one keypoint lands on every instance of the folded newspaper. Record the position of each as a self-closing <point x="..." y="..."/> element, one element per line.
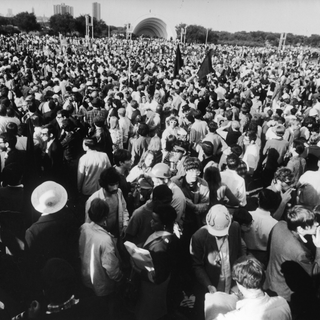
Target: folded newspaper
<point x="141" y="257"/>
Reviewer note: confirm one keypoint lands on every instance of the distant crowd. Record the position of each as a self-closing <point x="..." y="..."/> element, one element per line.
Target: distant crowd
<point x="112" y="155"/>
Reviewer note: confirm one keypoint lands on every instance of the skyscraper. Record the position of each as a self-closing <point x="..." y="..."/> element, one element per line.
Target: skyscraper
<point x="62" y="9"/>
<point x="96" y="10"/>
<point x="9" y="14"/>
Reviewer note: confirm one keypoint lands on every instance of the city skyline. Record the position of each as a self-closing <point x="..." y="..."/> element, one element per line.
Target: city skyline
<point x="292" y="16"/>
<point x="62" y="9"/>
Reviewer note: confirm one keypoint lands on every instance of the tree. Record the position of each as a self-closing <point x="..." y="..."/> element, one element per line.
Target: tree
<point x="26" y="22"/>
<point x="80" y="25"/>
<point x="63" y="23"/>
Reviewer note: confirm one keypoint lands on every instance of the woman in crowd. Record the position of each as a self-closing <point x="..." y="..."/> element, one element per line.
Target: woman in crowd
<point x="219" y="193"/>
<point x="116" y="134"/>
<point x="144" y="166"/>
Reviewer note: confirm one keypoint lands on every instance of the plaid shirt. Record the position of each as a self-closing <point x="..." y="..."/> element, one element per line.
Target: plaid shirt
<point x="95" y="113"/>
<point x="242" y="170"/>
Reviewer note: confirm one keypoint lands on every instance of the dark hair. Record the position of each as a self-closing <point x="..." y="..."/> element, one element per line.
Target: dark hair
<point x="12" y="128"/>
<point x="68" y="125"/>
<point x="109" y="177"/>
<point x="197" y="114"/>
<point x="236" y="149"/>
<point x="98" y="210"/>
<point x="63" y="113"/>
<point x="233" y="161"/>
<point x="121" y="155"/>
<point x="91" y="143"/>
<point x="50" y="128"/>
<point x="300" y="216"/>
<point x="298" y="146"/>
<point x="269" y="200"/>
<point x="170" y="142"/>
<point x="10" y="112"/>
<point x="167" y="214"/>
<point x="212" y="126"/>
<point x="242" y="216"/>
<point x="213" y="178"/>
<point x="249" y="272"/>
<point x="143" y="129"/>
<point x="207" y="148"/>
<point x="9" y="138"/>
<point x="162" y="194"/>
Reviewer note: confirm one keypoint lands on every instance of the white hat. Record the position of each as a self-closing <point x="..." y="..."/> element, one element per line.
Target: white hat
<point x="56" y="89"/>
<point x="49" y="197"/>
<point x="218" y="220"/>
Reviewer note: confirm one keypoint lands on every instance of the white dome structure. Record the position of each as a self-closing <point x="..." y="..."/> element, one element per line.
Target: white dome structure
<point x="154" y="27"/>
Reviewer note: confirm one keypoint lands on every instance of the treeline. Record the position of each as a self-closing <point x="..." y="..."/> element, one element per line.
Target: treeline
<point x="67" y="25"/>
<point x="199" y="34"/>
<point x="59" y="23"/>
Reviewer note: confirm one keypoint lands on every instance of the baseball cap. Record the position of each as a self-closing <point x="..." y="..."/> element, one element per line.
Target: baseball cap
<point x="218" y="220"/>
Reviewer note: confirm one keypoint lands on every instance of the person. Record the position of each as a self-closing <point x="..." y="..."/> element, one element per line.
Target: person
<point x="125" y="126"/>
<point x="255" y="304"/>
<point x="219" y="192"/>
<point x="100" y="265"/>
<point x="111" y="193"/>
<point x="233" y="181"/>
<point x="196" y="192"/>
<point x="53" y="234"/>
<point x="8" y="152"/>
<point x="257" y="236"/>
<point x="297" y="163"/>
<point x="277" y="143"/>
<point x="52" y="155"/>
<point x="163" y="247"/>
<point x="161" y="174"/>
<point x="309" y="188"/>
<point x="139" y="228"/>
<point x="282" y="184"/>
<point x="143" y="167"/>
<point x="90" y="167"/>
<point x="116" y="134"/>
<point x="218" y="143"/>
<point x="171" y="130"/>
<point x="214" y="248"/>
<point x="198" y="129"/>
<point x="12" y="190"/>
<point x="288" y="243"/>
<point x="140" y="145"/>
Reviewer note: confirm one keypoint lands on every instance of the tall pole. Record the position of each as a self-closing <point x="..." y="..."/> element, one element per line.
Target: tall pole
<point x="207" y="35"/>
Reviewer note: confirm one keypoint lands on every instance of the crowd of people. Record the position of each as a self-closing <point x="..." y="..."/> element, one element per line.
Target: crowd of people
<point x="106" y="145"/>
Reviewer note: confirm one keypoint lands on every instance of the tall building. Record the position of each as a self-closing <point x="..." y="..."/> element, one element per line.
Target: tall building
<point x="9" y="14"/>
<point x="62" y="9"/>
<point x="96" y="10"/>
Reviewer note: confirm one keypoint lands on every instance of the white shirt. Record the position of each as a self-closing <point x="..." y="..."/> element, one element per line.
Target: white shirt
<point x="89" y="169"/>
<point x="261" y="308"/>
<point x="236" y="185"/>
<point x="100" y="267"/>
<point x="257" y="237"/>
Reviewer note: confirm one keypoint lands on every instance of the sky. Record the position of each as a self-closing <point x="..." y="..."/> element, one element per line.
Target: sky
<point x="295" y="16"/>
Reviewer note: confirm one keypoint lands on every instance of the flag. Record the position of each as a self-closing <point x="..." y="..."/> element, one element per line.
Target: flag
<point x="206" y="65"/>
<point x="178" y="63"/>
